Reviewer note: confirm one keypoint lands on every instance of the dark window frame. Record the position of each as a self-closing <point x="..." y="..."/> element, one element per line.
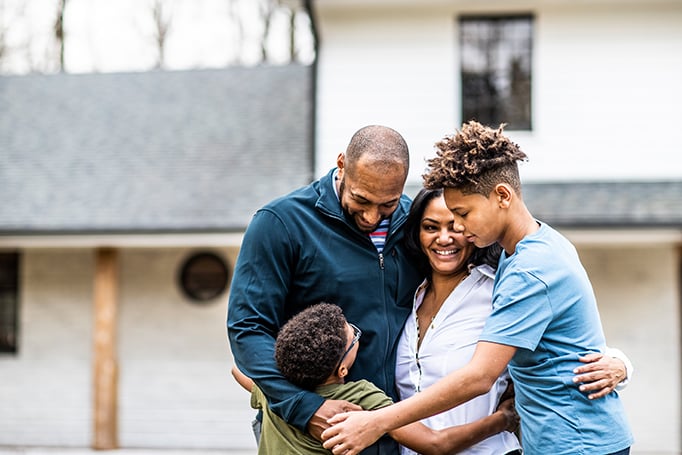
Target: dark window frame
<point x="495" y="66"/>
<point x="9" y="302"/>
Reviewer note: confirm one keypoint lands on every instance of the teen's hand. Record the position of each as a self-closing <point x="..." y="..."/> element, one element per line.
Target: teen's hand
<point x="318" y="422"/>
<point x="600" y="374"/>
<point x="351" y="432"/>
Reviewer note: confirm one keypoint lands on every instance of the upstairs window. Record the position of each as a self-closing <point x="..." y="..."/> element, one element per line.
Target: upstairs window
<point x="495" y="66"/>
<point x="9" y="301"/>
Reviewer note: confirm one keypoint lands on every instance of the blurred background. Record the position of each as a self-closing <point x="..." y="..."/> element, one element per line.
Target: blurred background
<point x="137" y="138"/>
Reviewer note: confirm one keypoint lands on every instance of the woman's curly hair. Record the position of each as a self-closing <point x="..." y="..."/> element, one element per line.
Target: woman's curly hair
<point x="474" y="160"/>
<point x="310" y="345"/>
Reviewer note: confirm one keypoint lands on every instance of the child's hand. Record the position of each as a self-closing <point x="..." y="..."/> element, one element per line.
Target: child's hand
<point x="242" y="379"/>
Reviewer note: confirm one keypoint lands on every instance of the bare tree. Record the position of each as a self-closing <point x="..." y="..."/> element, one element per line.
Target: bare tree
<point x="59" y="32"/>
<point x="3" y="32"/>
<point x="162" y="24"/>
<point x="298" y="13"/>
<point x="15" y="50"/>
<point x="288" y="14"/>
<point x="267" y="31"/>
<point x="292" y="35"/>
<point x="237" y="28"/>
<point x="266" y="11"/>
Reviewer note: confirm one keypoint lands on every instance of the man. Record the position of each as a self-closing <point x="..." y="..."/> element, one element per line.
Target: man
<point x="336" y="240"/>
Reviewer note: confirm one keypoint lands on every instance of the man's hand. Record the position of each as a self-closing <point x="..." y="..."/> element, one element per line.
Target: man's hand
<point x="318" y="422"/>
<point x="600" y="374"/>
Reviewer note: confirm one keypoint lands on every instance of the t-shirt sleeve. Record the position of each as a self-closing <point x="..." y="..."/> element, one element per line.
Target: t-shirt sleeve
<point x="363" y="393"/>
<point x="521" y="311"/>
<point x="373" y="397"/>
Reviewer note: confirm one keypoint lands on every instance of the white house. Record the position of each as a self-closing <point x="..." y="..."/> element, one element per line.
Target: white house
<point x="598" y="86"/>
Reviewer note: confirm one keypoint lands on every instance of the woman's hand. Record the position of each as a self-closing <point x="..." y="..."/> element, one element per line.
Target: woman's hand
<point x="351" y="432"/>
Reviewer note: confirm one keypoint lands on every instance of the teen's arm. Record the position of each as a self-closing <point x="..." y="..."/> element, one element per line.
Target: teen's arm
<point x="427" y="441"/>
<point x="351" y="432"/>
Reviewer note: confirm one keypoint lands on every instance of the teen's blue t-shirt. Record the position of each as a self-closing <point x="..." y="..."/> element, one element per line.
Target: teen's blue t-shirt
<point x="544" y="305"/>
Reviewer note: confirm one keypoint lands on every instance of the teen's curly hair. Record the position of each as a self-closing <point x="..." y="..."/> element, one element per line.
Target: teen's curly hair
<point x="310" y="345"/>
<point x="474" y="160"/>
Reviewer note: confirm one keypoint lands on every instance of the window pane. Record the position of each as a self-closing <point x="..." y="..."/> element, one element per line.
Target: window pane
<point x="496" y="70"/>
<point x="9" y="283"/>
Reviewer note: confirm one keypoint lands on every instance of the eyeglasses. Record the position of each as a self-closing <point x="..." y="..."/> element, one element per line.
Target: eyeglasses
<point x="356" y="336"/>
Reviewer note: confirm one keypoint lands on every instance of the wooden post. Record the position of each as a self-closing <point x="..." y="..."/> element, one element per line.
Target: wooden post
<point x="104" y="337"/>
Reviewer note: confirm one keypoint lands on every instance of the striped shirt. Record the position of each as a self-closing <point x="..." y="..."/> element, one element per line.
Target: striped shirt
<point x="379" y="235"/>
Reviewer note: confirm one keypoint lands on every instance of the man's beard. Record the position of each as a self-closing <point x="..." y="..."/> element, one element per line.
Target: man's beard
<point x="346" y="213"/>
<point x="349" y="216"/>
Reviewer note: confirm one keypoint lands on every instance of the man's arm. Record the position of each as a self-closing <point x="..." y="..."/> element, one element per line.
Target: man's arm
<point x="318" y="423"/>
<point x="354" y="431"/>
<point x="619" y="355"/>
<point x="256" y="312"/>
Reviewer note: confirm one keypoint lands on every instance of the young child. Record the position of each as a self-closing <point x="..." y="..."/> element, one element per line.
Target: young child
<point x="544" y="315"/>
<point x="315" y="350"/>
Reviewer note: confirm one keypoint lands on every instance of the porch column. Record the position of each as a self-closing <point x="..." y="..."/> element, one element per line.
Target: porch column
<point x="105" y="373"/>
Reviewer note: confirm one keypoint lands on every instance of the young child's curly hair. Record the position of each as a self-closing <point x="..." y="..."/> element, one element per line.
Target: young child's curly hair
<point x="310" y="345"/>
<point x="474" y="160"/>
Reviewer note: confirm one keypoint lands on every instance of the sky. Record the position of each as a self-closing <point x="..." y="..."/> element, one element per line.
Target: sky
<point x="118" y="35"/>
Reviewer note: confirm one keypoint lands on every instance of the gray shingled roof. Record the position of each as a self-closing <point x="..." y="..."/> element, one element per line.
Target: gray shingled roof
<point x="187" y="151"/>
<point x="606" y="204"/>
<point x="198" y="151"/>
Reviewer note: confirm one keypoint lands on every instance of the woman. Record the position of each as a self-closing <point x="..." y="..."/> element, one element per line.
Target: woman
<point x="450" y="309"/>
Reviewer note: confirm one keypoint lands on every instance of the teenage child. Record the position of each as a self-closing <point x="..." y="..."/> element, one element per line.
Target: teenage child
<point x="544" y="315"/>
<point x="315" y="350"/>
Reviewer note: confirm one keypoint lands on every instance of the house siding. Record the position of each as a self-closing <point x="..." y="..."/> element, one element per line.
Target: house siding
<point x="604" y="83"/>
<point x="175" y="386"/>
<point x="638" y="294"/>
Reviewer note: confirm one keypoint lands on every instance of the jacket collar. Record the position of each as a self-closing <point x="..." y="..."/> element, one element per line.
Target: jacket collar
<point x="328" y="202"/>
